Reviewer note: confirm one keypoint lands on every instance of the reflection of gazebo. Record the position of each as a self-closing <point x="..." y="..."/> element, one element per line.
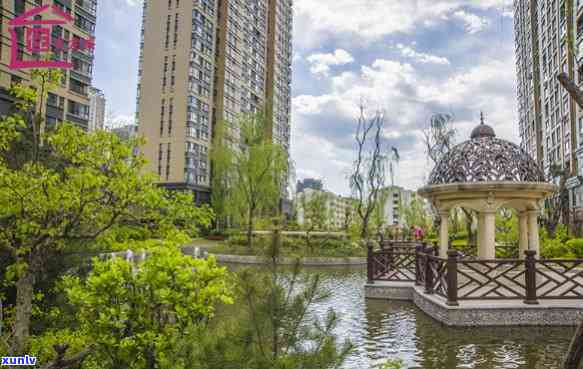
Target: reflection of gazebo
<point x="485" y="174"/>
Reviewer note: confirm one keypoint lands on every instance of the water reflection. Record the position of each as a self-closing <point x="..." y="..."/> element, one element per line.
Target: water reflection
<point x="382" y="329"/>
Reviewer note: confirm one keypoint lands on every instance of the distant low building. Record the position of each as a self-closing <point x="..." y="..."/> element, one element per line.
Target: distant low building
<point x="96" y="109"/>
<point x="126" y="132"/>
<point x="395" y="200"/>
<point x="338" y="210"/>
<point x="314" y="184"/>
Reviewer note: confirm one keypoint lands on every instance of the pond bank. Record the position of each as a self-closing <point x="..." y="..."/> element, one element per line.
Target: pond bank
<point x="312" y="261"/>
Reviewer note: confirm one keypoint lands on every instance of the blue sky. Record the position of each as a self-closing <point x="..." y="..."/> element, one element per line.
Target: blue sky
<point x="409" y="58"/>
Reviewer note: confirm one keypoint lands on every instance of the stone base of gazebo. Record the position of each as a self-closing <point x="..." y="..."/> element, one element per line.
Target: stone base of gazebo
<point x="481" y="312"/>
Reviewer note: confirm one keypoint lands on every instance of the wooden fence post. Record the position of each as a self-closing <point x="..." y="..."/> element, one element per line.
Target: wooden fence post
<point x="452" y="258"/>
<point x="530" y="277"/>
<point x="369" y="263"/>
<point x="428" y="272"/>
<point x="418" y="251"/>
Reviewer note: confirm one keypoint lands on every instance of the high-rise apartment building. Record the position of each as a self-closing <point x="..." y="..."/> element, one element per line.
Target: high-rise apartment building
<point x="202" y="63"/>
<point x="576" y="183"/>
<point x="96" y="109"/>
<point x="547" y="115"/>
<point x="70" y="100"/>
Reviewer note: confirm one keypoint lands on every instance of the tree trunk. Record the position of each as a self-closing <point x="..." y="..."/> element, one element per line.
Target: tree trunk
<point x="575" y="353"/>
<point x="21" y="327"/>
<point x="364" y="230"/>
<point x="574" y="91"/>
<point x="250" y="229"/>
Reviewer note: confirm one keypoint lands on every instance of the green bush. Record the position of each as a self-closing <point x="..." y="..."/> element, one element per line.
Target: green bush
<point x="557" y="247"/>
<point x="237" y="240"/>
<point x="575" y="247"/>
<point x="459" y="236"/>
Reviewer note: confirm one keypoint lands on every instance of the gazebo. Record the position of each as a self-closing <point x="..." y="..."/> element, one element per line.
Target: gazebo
<point x="485" y="174"/>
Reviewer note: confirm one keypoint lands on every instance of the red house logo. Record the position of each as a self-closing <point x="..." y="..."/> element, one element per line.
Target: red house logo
<point x="36" y="35"/>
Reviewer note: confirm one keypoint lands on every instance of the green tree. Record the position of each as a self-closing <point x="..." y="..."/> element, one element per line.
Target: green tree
<point x="63" y="189"/>
<point x="249" y="170"/>
<point x="136" y="315"/>
<point x="369" y="169"/>
<point x="317" y="216"/>
<point x="273" y="327"/>
<point x="378" y="219"/>
<point x="416" y="214"/>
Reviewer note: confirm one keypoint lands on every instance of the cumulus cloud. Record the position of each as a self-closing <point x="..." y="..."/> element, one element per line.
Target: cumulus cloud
<point x="134" y="2"/>
<point x="370" y="20"/>
<point x="325" y="123"/>
<point x="473" y="23"/>
<point x="320" y="63"/>
<point x="419" y="57"/>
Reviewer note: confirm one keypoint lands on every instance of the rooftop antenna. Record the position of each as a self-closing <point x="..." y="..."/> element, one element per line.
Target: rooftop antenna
<point x="482" y="117"/>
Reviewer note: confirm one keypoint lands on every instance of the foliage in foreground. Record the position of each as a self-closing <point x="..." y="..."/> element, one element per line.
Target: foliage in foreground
<point x="274" y="327"/>
<point x="137" y="315"/>
<point x="64" y="191"/>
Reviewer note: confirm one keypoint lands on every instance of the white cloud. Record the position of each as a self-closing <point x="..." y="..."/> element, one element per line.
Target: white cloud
<point x="324" y="123"/>
<point x="320" y="63"/>
<point x="473" y="23"/>
<point x="133" y="2"/>
<point x="113" y="120"/>
<point x="419" y="57"/>
<point x="370" y="20"/>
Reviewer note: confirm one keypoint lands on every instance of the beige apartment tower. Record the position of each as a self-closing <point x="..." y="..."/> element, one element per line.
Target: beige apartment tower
<point x="203" y="62"/>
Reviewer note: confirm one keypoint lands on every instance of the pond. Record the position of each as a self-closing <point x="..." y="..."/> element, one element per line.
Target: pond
<point x="389" y="329"/>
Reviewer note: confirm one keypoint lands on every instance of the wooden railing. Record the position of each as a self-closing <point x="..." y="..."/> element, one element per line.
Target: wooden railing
<point x="392" y="264"/>
<point x="461" y="279"/>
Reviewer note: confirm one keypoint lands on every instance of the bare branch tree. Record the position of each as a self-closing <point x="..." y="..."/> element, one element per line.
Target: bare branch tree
<point x="439" y="136"/>
<point x="370" y="167"/>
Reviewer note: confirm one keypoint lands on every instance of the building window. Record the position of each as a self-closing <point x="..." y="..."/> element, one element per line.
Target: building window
<point x="168" y="158"/>
<point x="19" y="7"/>
<point x="162" y="118"/>
<point x="78" y="109"/>
<point x="175" y="30"/>
<point x="170" y="116"/>
<point x="167" y="41"/>
<point x="160" y="154"/>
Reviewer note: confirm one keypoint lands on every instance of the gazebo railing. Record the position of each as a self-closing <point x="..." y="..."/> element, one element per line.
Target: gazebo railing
<point x="459" y="279"/>
<point x="559" y="279"/>
<point x="396" y="263"/>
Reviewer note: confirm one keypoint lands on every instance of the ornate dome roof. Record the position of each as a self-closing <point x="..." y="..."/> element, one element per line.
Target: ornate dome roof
<point x="485" y="158"/>
<point x="483" y="130"/>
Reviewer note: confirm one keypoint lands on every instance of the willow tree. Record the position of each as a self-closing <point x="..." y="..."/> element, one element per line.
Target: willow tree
<point x="249" y="169"/>
<point x="370" y="167"/>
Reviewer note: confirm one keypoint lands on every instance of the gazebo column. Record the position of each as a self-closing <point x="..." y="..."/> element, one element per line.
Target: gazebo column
<point x="522" y="234"/>
<point x="481" y="232"/>
<point x="443" y="233"/>
<point x="533" y="241"/>
<point x="487" y="247"/>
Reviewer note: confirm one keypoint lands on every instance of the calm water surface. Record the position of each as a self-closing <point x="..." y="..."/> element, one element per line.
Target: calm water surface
<point x="383" y="329"/>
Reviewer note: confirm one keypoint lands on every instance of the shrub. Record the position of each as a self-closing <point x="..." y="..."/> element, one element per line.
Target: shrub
<point x="459" y="236"/>
<point x="237" y="240"/>
<point x="575" y="246"/>
<point x="555" y="248"/>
